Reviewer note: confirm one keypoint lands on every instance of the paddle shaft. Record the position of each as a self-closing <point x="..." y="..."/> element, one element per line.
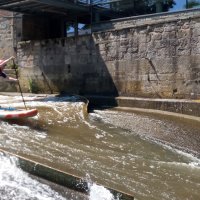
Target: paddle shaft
<point x="20" y="89"/>
<point x="47" y="83"/>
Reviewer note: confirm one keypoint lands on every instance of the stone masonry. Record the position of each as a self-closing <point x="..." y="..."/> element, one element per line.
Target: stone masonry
<point x="148" y="56"/>
<point x="6" y="34"/>
<point x="7" y="47"/>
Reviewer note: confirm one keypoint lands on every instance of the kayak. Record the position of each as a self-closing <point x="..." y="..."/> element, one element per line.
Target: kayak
<point x="13" y="113"/>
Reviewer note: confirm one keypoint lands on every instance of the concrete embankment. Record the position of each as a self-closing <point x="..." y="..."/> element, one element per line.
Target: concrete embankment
<point x="184" y="109"/>
<point x="181" y="106"/>
<point x="183" y="112"/>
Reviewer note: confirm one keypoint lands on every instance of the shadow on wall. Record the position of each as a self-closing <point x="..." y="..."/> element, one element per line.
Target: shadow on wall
<point x="6" y="86"/>
<point x="76" y="66"/>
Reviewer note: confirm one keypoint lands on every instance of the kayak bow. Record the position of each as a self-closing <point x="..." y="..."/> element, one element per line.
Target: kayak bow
<point x="12" y="113"/>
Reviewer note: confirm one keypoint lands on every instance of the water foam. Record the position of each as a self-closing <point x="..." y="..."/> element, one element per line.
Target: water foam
<point x="98" y="192"/>
<point x="16" y="184"/>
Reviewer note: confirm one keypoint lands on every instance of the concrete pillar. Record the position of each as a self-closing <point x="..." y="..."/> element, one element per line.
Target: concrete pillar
<point x="76" y="29"/>
<point x="63" y="28"/>
<point x="96" y="17"/>
<point x="159" y="6"/>
<point x="186" y="4"/>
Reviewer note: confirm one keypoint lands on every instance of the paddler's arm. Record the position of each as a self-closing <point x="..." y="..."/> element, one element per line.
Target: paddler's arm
<point x="7" y="60"/>
<point x="12" y="79"/>
<point x="8" y="78"/>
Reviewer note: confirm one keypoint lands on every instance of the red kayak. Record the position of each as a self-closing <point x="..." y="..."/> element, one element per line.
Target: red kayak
<point x="12" y="113"/>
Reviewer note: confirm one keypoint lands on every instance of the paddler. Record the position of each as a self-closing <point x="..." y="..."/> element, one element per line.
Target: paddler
<point x="2" y="66"/>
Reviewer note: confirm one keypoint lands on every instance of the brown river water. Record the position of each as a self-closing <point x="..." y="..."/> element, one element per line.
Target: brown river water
<point x="149" y="157"/>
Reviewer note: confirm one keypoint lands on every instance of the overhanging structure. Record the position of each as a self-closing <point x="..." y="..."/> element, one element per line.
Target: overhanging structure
<point x="50" y="18"/>
<point x="86" y="11"/>
<point x="68" y="8"/>
<point x="83" y="11"/>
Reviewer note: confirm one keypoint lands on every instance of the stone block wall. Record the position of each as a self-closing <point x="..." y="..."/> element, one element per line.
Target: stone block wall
<point x="150" y="56"/>
<point x="64" y="65"/>
<point x="6" y="34"/>
<point x="6" y="47"/>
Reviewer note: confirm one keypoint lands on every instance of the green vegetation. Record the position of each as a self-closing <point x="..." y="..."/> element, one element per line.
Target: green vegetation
<point x="192" y="3"/>
<point x="13" y="67"/>
<point x="139" y="7"/>
<point x="33" y="87"/>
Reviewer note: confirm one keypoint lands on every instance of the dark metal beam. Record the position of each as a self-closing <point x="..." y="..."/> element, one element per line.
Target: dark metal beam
<point x="63" y="4"/>
<point x="79" y="10"/>
<point x="38" y="7"/>
<point x="8" y="2"/>
<point x="35" y="6"/>
<point x="14" y="4"/>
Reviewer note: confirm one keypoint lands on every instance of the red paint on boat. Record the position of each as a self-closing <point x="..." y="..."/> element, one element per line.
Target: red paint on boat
<point x="15" y="114"/>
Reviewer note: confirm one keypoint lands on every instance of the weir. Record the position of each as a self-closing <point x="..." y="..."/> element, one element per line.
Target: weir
<point x="112" y="147"/>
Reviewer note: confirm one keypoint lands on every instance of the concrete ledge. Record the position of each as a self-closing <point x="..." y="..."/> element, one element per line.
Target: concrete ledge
<point x="144" y="20"/>
<point x="182" y="106"/>
<point x="62" y="178"/>
<point x="182" y="117"/>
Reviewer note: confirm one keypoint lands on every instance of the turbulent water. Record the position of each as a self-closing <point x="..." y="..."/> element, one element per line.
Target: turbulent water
<point x="17" y="185"/>
<point x="114" y="148"/>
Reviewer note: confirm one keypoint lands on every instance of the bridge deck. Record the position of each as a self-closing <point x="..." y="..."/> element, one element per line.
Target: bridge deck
<point x="71" y="9"/>
<point x="68" y="8"/>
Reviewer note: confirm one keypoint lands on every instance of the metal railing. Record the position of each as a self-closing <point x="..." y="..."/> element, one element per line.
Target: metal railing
<point x="127" y="8"/>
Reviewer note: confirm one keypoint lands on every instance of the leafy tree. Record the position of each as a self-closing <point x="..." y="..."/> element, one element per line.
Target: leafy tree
<point x="192" y="3"/>
<point x="139" y="7"/>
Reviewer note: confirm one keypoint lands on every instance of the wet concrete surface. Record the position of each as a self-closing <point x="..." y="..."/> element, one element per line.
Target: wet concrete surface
<point x="182" y="131"/>
<point x="182" y="106"/>
<point x="131" y="152"/>
<point x="63" y="191"/>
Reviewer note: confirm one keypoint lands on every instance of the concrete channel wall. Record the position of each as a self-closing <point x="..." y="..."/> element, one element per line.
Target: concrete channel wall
<point x="62" y="178"/>
<point x="150" y="56"/>
<point x="6" y="45"/>
<point x="10" y="34"/>
<point x="181" y="106"/>
<point x="6" y="34"/>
